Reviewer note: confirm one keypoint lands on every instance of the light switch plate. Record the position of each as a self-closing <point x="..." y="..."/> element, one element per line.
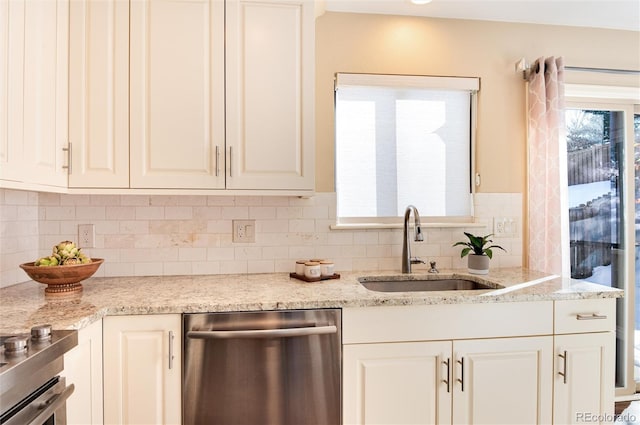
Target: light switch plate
<point x="244" y="231"/>
<point x="505" y="227"/>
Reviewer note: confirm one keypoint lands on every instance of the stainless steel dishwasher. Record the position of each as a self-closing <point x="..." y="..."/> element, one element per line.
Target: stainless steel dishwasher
<point x="265" y="367"/>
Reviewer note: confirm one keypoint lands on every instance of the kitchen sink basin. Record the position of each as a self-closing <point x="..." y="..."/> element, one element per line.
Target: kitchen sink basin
<point x="418" y="285"/>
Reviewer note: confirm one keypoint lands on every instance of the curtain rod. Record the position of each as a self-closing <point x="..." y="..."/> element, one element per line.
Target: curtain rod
<point x="604" y="70"/>
<point x="525" y="68"/>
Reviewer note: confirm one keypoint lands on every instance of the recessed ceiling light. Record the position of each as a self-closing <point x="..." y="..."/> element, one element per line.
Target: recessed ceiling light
<point x="420" y="1"/>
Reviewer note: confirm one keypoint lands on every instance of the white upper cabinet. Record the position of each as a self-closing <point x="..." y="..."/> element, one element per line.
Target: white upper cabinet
<point x="177" y="94"/>
<point x="10" y="90"/>
<point x="34" y="37"/>
<point x="99" y="93"/>
<point x="270" y="102"/>
<point x="158" y="94"/>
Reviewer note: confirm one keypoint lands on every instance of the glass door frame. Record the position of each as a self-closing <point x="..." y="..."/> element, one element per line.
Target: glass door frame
<point x="631" y="146"/>
<point x="628" y="107"/>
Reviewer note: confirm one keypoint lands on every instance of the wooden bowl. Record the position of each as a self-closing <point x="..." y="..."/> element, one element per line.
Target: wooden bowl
<point x="62" y="279"/>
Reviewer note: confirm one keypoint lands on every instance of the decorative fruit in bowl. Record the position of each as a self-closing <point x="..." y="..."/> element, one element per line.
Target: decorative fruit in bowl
<point x="63" y="270"/>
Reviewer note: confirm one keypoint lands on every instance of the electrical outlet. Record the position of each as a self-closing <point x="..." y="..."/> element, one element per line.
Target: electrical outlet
<point x="86" y="235"/>
<point x="244" y="231"/>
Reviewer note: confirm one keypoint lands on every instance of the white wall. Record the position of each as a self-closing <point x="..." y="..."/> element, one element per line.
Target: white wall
<point x="186" y="235"/>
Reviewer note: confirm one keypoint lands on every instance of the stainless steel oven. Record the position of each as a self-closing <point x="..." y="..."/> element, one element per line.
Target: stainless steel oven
<point x="31" y="390"/>
<point x="266" y="367"/>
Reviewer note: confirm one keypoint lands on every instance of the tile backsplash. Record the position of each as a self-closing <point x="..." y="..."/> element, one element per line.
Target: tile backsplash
<point x="141" y="235"/>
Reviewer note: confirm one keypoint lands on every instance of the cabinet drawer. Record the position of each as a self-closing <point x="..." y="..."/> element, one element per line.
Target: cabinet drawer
<point x="448" y="321"/>
<point x="577" y="316"/>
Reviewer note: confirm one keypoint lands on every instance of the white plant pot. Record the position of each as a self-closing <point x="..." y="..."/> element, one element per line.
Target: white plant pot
<point x="478" y="264"/>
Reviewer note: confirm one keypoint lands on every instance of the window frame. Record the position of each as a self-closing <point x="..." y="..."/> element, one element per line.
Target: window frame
<point x="399" y="81"/>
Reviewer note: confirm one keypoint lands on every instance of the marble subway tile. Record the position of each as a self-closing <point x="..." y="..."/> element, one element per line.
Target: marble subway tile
<point x="119" y="213"/>
<point x="66" y="212"/>
<point x="207" y="213"/>
<point x="275" y="201"/>
<point x="135" y="200"/>
<point x="130" y="228"/>
<point x="90" y="213"/>
<point x="261" y="266"/>
<point x="235" y="213"/>
<point x="178" y="213"/>
<point x="301" y="225"/>
<point x="205" y="267"/>
<point x="149" y="213"/>
<point x="262" y="213"/>
<point x="289" y="212"/>
<point x="192" y="254"/>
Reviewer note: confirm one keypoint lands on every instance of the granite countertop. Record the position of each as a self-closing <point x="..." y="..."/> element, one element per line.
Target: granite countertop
<point x="25" y="305"/>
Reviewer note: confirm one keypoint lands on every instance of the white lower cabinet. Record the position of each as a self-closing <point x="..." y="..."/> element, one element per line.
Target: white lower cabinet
<point x="503" y="363"/>
<point x="502" y="381"/>
<point x="493" y="381"/>
<point x="83" y="369"/>
<point x="142" y="369"/>
<point x="397" y="383"/>
<point x="584" y="362"/>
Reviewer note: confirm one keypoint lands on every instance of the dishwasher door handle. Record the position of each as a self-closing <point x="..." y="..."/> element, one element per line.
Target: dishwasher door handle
<point x="264" y="333"/>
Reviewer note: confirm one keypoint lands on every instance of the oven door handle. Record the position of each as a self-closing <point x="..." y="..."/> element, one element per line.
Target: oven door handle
<point x="50" y="406"/>
<point x="264" y="333"/>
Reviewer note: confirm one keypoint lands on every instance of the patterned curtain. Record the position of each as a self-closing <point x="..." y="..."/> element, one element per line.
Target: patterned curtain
<point x="547" y="169"/>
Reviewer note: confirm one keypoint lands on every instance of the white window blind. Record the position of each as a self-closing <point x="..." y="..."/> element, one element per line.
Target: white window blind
<point x="403" y="140"/>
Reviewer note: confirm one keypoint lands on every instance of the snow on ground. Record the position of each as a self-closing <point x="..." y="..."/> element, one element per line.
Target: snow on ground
<point x="601" y="275"/>
<point x="583" y="193"/>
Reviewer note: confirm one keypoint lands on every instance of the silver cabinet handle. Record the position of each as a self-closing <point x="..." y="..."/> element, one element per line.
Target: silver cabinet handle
<point x="563" y="356"/>
<point x="171" y="356"/>
<point x="592" y="316"/>
<point x="217" y="160"/>
<point x="263" y="333"/>
<point x="69" y="153"/>
<point x="230" y="161"/>
<point x="461" y="379"/>
<point x="447" y="381"/>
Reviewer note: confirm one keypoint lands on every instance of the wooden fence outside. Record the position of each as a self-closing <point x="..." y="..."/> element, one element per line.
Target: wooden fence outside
<point x="589" y="165"/>
<point x="591" y="236"/>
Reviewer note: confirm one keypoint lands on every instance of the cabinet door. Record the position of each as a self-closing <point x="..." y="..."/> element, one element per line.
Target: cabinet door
<point x="11" y="76"/>
<point x="177" y="94"/>
<point x="34" y="105"/>
<point x="99" y="93"/>
<point x="397" y="383"/>
<point x="584" y="380"/>
<point x="503" y="381"/>
<point x="142" y="364"/>
<point x="270" y="102"/>
<point x="83" y="368"/>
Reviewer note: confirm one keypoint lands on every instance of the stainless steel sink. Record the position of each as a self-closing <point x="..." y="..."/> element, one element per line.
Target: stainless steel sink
<point x="416" y="285"/>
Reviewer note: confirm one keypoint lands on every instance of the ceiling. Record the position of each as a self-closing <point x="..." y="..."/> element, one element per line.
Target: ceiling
<point x="613" y="14"/>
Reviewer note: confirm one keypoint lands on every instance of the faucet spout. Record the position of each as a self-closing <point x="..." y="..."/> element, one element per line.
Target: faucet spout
<point x="418" y="237"/>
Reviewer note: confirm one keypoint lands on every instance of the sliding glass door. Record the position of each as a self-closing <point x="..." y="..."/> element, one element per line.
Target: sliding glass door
<point x="604" y="184"/>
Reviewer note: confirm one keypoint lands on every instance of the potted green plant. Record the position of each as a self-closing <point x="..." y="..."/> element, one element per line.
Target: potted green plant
<point x="479" y="249"/>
